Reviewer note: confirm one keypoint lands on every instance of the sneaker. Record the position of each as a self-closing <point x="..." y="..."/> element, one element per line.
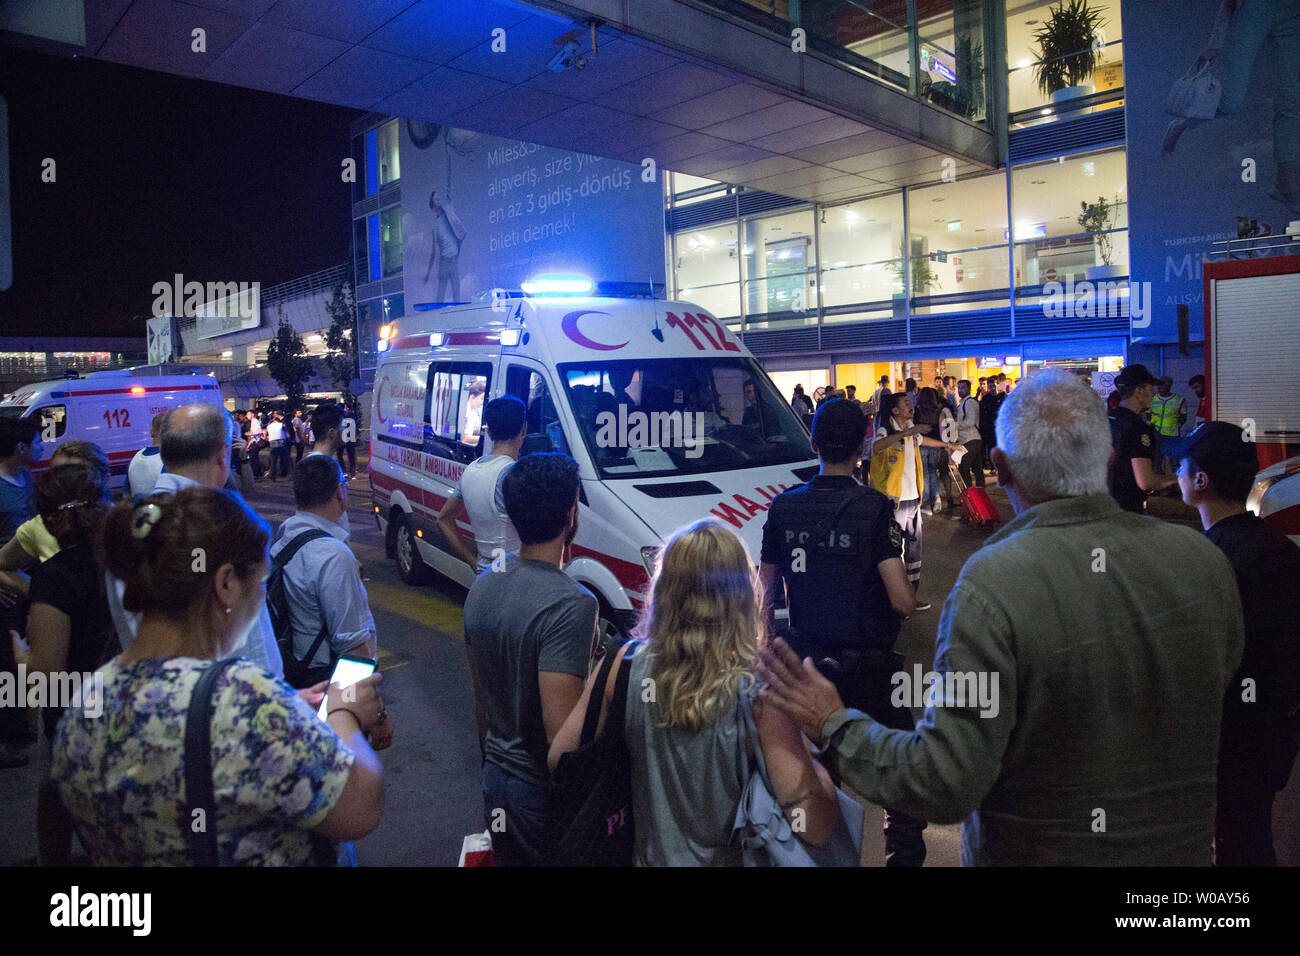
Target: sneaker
<point x="928" y="512"/>
<point x="923" y="605"/>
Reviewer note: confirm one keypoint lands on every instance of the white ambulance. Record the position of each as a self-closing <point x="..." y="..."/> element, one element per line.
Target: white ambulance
<point x="668" y="415"/>
<point x="113" y="409"/>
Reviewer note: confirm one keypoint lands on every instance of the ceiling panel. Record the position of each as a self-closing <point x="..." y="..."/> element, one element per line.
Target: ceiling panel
<point x="508" y="111"/>
<point x="666" y="88"/>
<point x="362" y="77"/>
<point x="346" y="20"/>
<point x="273" y="58"/>
<point x="852" y="146"/>
<point x="720" y="105"/>
<point x="441" y="94"/>
<point x="440" y="32"/>
<point x="764" y="167"/>
<point x="880" y="158"/>
<point x="583" y="118"/>
<point x="821" y="131"/>
<point x="158" y="35"/>
<point x="745" y="129"/>
<point x="666" y="152"/>
<point x="731" y="155"/>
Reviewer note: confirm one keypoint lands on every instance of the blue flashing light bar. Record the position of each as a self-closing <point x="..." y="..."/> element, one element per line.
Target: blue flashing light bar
<point x="558" y="285"/>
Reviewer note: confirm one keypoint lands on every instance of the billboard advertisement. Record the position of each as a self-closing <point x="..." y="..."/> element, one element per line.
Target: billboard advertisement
<point x="1213" y="124"/>
<point x="160" y="340"/>
<point x="480" y="212"/>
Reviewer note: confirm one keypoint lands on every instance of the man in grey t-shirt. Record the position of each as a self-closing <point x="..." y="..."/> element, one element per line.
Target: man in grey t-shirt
<point x="530" y="631"/>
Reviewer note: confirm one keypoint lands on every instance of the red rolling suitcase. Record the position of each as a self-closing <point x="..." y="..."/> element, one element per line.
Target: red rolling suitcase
<point x="974" y="501"/>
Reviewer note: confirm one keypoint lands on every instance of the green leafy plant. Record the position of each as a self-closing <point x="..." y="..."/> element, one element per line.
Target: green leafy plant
<point x="922" y="275"/>
<point x="1068" y="46"/>
<point x="341" y="359"/>
<point x="287" y="361"/>
<point x="1097" y="218"/>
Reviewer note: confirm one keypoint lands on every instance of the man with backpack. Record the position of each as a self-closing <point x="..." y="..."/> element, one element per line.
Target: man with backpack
<point x="318" y="604"/>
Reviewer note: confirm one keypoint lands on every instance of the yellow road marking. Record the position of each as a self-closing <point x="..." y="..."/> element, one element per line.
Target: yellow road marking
<point x="418" y="607"/>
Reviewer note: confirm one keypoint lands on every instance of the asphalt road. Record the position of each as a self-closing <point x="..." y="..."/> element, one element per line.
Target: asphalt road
<point x="432" y="771"/>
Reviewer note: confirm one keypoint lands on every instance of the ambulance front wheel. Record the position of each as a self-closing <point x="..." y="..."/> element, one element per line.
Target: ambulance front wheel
<point x="410" y="565"/>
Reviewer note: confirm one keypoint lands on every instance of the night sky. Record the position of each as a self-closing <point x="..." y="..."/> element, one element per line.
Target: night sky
<point x="157" y="175"/>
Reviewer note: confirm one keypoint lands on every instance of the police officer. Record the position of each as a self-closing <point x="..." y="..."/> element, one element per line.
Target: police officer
<point x="838" y="550"/>
<point x="1132" y="473"/>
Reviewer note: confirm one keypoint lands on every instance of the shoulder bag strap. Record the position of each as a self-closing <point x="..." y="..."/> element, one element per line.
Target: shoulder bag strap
<point x="753" y="744"/>
<point x="198" y="767"/>
<point x="617" y="716"/>
<point x="285" y="554"/>
<point x="597" y="696"/>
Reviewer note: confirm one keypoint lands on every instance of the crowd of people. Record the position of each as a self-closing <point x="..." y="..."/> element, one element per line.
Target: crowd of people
<point x="152" y="593"/>
<point x="1131" y="727"/>
<point x="328" y="428"/>
<point x="1138" y="682"/>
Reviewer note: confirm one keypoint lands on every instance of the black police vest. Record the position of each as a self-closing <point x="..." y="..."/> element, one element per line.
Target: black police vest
<point x="835" y="593"/>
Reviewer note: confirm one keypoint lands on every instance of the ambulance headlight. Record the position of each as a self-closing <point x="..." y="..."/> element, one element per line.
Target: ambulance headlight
<point x="650" y="557"/>
<point x="381" y="345"/>
<point x="558" y="285"/>
<point x="510" y="336"/>
<point x="435" y="339"/>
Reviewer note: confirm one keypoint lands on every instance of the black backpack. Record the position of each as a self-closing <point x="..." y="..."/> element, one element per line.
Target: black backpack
<point x="297" y="673"/>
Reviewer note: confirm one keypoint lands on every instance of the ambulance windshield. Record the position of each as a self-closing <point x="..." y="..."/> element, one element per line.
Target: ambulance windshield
<point x="681" y="416"/>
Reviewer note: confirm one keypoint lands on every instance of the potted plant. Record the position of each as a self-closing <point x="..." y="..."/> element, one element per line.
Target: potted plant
<point x="1069" y="50"/>
<point x="922" y="277"/>
<point x="1097" y="219"/>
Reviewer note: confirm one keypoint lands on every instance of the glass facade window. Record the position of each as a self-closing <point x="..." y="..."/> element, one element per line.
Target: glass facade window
<point x="371" y="315"/>
<point x="390" y="241"/>
<point x="360" y="249"/>
<point x="1024" y="20"/>
<point x="1051" y="244"/>
<point x="707" y="268"/>
<point x="860" y="250"/>
<point x="778" y="266"/>
<point x="958" y="243"/>
<point x="390" y="170"/>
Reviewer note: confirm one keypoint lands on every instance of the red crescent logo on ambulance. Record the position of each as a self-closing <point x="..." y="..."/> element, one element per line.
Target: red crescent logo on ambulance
<point x="569" y="325"/>
<point x="379" y="401"/>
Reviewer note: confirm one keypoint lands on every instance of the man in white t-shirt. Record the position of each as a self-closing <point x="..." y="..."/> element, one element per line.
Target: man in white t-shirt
<point x="278" y="436"/>
<point x="478" y="493"/>
<point x="146" y="466"/>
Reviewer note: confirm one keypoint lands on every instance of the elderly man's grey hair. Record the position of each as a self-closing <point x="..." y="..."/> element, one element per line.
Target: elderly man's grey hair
<point x="194" y="433"/>
<point x="1055" y="434"/>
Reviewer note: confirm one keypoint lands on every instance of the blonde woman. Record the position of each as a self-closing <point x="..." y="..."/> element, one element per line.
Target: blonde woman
<point x="684" y="726"/>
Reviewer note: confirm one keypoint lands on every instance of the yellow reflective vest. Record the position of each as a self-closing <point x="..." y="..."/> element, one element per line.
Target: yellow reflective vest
<point x="886" y="469"/>
<point x="1165" y="412"/>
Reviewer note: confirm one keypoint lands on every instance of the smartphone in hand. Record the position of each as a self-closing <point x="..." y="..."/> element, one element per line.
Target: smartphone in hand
<point x="347" y="671"/>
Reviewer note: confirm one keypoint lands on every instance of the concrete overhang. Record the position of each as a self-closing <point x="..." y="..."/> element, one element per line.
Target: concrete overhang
<point x="693" y="91"/>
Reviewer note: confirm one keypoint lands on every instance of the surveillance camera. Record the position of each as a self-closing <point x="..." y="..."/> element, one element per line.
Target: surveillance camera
<point x="565" y="57"/>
